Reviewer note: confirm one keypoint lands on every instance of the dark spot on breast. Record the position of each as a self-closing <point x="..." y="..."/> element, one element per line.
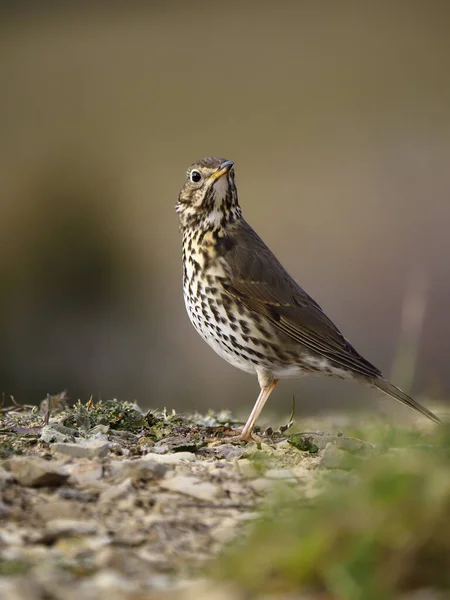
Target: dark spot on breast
<point x="244" y="326"/>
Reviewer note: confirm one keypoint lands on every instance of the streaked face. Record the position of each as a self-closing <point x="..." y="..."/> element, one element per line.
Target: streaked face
<point x="208" y="190"/>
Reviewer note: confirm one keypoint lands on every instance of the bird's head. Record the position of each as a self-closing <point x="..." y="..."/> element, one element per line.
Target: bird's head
<point x="208" y="198"/>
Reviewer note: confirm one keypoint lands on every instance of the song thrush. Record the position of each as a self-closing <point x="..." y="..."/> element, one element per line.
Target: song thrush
<point x="246" y="306"/>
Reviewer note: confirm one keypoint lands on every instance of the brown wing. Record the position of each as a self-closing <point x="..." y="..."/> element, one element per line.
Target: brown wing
<point x="258" y="280"/>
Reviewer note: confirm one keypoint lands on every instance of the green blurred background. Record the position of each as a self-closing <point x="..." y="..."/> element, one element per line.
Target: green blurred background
<point x="337" y="115"/>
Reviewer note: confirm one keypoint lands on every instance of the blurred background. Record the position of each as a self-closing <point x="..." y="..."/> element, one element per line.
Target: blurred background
<point x="337" y="115"/>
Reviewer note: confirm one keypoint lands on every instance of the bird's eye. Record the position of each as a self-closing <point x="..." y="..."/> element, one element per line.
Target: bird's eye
<point x="195" y="176"/>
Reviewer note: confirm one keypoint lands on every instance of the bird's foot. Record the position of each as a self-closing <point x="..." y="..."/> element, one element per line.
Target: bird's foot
<point x="236" y="436"/>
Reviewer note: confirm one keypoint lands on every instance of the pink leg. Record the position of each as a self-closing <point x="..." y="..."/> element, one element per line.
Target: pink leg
<point x="267" y="384"/>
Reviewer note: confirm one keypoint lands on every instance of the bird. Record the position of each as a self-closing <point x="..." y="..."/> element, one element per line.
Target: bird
<point x="247" y="307"/>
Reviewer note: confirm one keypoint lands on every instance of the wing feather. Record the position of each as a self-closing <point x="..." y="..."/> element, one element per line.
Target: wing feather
<point x="258" y="280"/>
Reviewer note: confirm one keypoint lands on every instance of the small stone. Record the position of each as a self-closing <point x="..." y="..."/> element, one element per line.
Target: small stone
<point x="14" y="537"/>
<point x="226" y="531"/>
<point x="84" y="449"/>
<point x="354" y="445"/>
<point x="170" y="459"/>
<point x="332" y="457"/>
<point x="99" y="432"/>
<point x="112" y="583"/>
<point x="279" y="474"/>
<point x="229" y="451"/>
<point x="69" y="527"/>
<point x="138" y="470"/>
<point x="234" y="488"/>
<point x="18" y="588"/>
<point x="301" y="472"/>
<point x="31" y="471"/>
<point x="59" y="509"/>
<point x="191" y="486"/>
<point x="202" y="589"/>
<point x="261" y="485"/>
<point x="50" y="434"/>
<point x="5" y="478"/>
<point x="68" y="493"/>
<point x="84" y="472"/>
<point x="177" y="443"/>
<point x="5" y="511"/>
<point x="116" y="492"/>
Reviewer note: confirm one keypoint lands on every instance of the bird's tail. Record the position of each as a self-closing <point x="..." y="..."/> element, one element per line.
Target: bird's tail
<point x="395" y="392"/>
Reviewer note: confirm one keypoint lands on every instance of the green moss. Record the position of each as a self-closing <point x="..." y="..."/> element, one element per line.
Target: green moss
<point x="303" y="442"/>
<point x="115" y="414"/>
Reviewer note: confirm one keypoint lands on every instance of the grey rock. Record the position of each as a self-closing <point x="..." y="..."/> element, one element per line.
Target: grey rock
<point x="32" y="471"/>
<point x="229" y="451"/>
<point x="51" y="434"/>
<point x="68" y="493"/>
<point x="177" y="443"/>
<point x="83" y="449"/>
<point x="191" y="486"/>
<point x="99" y="432"/>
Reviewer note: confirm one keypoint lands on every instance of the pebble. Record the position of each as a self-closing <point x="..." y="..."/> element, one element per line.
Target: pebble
<point x="332" y="457"/>
<point x="279" y="474"/>
<point x="138" y="470"/>
<point x="354" y="445"/>
<point x="85" y="471"/>
<point x="246" y="468"/>
<point x="116" y="492"/>
<point x="170" y="459"/>
<point x="177" y="443"/>
<point x="59" y="509"/>
<point x="5" y="478"/>
<point x="226" y="531"/>
<point x="50" y="434"/>
<point x="191" y="486"/>
<point x="261" y="485"/>
<point x="84" y="449"/>
<point x="17" y="589"/>
<point x="229" y="451"/>
<point x="32" y="471"/>
<point x="301" y="472"/>
<point x="4" y="510"/>
<point x="69" y="527"/>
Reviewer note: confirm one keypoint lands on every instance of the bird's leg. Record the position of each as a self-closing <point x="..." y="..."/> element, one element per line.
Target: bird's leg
<point x="267" y="383"/>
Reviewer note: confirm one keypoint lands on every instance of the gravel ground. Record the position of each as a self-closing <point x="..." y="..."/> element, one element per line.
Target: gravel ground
<point x="107" y="502"/>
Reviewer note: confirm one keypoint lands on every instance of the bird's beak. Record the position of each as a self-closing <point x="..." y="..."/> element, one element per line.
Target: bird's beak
<point x="222" y="170"/>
